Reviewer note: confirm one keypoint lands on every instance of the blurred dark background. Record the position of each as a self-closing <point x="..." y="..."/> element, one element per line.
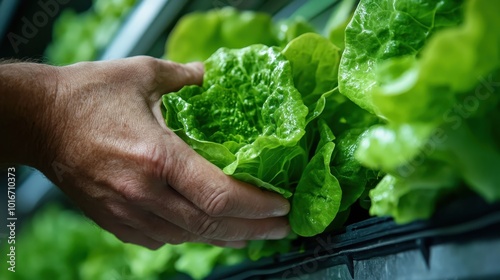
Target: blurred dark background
<point x="13" y="15"/>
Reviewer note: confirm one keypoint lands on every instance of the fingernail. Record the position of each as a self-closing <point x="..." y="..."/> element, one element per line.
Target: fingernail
<point x="282" y="209"/>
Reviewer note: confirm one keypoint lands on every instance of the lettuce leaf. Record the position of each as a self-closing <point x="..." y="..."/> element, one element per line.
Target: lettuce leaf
<point x="291" y="28"/>
<point x="435" y="87"/>
<point x="246" y="115"/>
<point x="408" y="200"/>
<point x="251" y="115"/>
<point x="314" y="63"/>
<point x="353" y="177"/>
<point x="430" y="71"/>
<point x="380" y="30"/>
<point x="334" y="29"/>
<point x="317" y="198"/>
<point x="198" y="35"/>
<point x="402" y="142"/>
<point x="189" y="260"/>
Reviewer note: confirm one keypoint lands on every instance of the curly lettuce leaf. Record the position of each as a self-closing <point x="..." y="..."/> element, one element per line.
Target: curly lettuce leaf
<point x="314" y="62"/>
<point x="380" y="30"/>
<point x="247" y="118"/>
<point x="432" y="89"/>
<point x="439" y="97"/>
<point x="452" y="63"/>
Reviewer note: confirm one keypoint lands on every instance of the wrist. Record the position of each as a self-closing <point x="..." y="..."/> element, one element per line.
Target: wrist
<point x="28" y="94"/>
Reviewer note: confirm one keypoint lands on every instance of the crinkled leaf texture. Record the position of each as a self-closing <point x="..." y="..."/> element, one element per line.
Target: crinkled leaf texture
<point x="433" y="80"/>
<point x="249" y="119"/>
<point x="314" y="61"/>
<point x="384" y="29"/>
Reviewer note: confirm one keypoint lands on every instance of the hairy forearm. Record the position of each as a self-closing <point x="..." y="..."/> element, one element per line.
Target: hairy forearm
<point x="27" y="91"/>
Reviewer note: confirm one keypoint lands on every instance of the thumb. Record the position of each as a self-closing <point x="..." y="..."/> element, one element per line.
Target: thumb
<point x="172" y="76"/>
<point x="218" y="194"/>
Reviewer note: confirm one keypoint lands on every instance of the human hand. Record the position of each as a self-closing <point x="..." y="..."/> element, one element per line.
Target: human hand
<point x="107" y="147"/>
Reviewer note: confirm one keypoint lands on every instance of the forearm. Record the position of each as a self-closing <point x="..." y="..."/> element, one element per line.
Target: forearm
<point x="27" y="92"/>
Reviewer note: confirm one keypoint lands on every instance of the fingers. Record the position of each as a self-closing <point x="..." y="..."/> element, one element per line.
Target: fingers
<point x="217" y="194"/>
<point x="243" y="200"/>
<point x="173" y="76"/>
<point x="183" y="213"/>
<point x="166" y="232"/>
<point x="148" y="230"/>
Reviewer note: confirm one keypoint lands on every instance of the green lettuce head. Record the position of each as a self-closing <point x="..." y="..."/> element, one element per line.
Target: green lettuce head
<point x="250" y="119"/>
<point x="247" y="118"/>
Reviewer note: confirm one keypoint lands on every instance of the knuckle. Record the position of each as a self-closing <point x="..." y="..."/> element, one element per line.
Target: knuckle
<point x="144" y="60"/>
<point x="181" y="168"/>
<point x="145" y="65"/>
<point x="172" y="66"/>
<point x="218" y="202"/>
<point x="156" y="159"/>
